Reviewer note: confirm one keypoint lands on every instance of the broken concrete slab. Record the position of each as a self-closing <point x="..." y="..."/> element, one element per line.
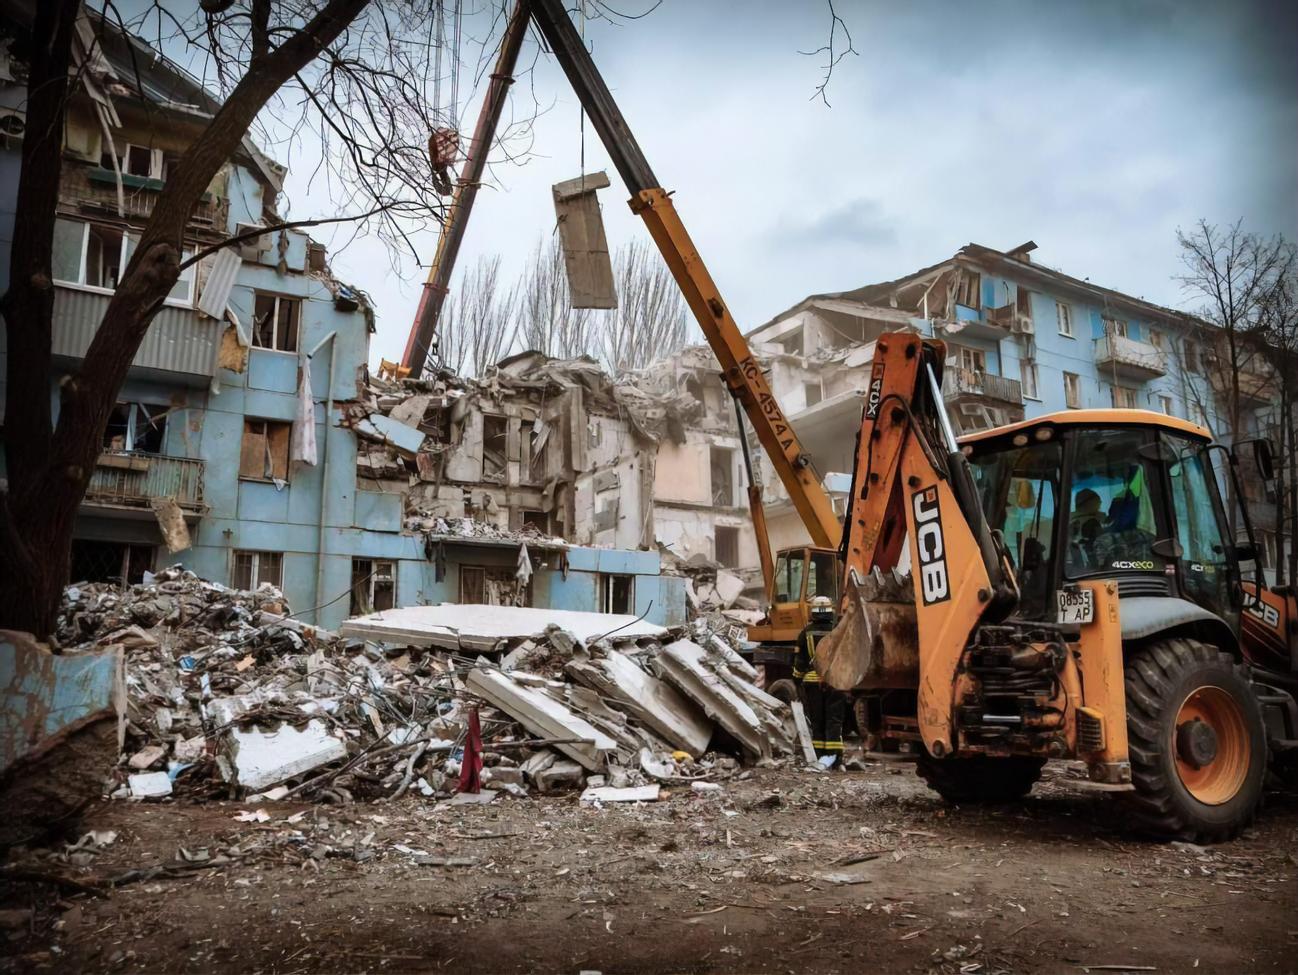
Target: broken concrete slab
<point x="663" y="709"/>
<point x="256" y="759"/>
<point x="543" y="716"/>
<point x="729" y="587"/>
<point x="482" y="628"/>
<point x="48" y="698"/>
<point x="149" y="785"/>
<point x="804" y="732"/>
<point x="400" y="435"/>
<point x="563" y="774"/>
<point x="171" y="522"/>
<point x="147" y="757"/>
<point x="685" y="665"/>
<point x="640" y="793"/>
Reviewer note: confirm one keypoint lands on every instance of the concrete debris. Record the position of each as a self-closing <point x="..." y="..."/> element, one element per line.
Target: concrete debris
<point x="229" y="696"/>
<point x="642" y="793"/>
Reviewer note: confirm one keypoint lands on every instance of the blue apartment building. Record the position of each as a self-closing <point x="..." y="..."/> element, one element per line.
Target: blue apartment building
<point x="1023" y="340"/>
<point x="206" y="416"/>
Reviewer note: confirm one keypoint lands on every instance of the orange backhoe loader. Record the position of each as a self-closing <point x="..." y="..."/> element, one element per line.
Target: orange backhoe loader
<point x="1072" y="593"/>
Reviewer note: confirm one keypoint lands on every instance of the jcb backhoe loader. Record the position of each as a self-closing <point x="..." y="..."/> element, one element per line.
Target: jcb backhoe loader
<point x="1073" y="593"/>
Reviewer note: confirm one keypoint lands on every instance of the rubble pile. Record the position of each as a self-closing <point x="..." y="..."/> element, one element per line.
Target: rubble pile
<point x="229" y="696"/>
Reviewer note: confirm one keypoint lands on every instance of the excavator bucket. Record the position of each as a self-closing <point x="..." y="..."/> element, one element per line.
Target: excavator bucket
<point x="876" y="641"/>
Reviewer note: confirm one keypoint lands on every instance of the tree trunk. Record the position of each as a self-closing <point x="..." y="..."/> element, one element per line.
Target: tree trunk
<point x="49" y="470"/>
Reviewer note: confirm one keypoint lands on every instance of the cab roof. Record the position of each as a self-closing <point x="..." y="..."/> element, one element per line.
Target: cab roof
<point x="1094" y="418"/>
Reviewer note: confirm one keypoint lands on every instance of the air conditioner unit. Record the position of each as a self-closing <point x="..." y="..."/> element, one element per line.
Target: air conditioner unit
<point x="1023" y="325"/>
<point x="253" y="248"/>
<point x="13" y="124"/>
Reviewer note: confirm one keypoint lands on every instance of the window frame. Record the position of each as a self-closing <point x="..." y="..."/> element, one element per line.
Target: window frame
<point x="255" y="569"/>
<point x="1135" y="405"/>
<point x="1115" y="326"/>
<point x="267" y="423"/>
<point x="1074" y="386"/>
<point x="1167" y="404"/>
<point x="277" y="297"/>
<point x="1064" y="318"/>
<point x="130" y="240"/>
<point x="1028" y="367"/>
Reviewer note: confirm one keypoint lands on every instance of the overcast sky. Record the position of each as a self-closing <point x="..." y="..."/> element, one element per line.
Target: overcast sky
<point x="1095" y="129"/>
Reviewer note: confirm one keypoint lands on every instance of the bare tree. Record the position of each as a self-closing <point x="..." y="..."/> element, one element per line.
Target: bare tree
<point x="649" y="322"/>
<point x="1231" y="271"/>
<point x="357" y="74"/>
<point x="1279" y="334"/>
<point x="479" y="324"/>
<point x="548" y="322"/>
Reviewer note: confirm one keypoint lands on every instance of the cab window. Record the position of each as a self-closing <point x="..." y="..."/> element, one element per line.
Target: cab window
<point x="1019" y="489"/>
<point x="1111" y="522"/>
<point x="788" y="577"/>
<point x="822" y="577"/>
<point x="1205" y="563"/>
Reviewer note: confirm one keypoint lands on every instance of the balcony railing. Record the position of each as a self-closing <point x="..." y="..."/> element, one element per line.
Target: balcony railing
<point x="133" y="479"/>
<point x="969" y="382"/>
<point x="1130" y="357"/>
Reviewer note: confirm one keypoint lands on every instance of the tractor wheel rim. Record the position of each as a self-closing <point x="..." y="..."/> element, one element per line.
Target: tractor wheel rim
<point x="1218" y="780"/>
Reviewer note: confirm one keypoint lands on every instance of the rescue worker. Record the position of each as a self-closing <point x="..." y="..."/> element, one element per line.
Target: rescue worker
<point x="826" y="707"/>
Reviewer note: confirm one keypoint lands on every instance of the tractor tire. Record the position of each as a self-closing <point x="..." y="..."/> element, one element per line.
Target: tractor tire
<point x="979" y="778"/>
<point x="785" y="690"/>
<point x="1197" y="742"/>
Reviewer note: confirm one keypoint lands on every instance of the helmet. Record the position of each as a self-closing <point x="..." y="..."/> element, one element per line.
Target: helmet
<point x="822" y="608"/>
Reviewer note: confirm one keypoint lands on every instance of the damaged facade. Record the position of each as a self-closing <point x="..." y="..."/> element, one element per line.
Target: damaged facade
<point x="208" y="459"/>
<point x="1023" y="340"/>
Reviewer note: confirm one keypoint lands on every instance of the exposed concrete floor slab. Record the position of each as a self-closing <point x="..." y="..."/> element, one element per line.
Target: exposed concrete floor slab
<point x="454" y="625"/>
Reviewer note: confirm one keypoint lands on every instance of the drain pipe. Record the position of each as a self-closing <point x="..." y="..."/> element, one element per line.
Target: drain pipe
<point x="324" y="471"/>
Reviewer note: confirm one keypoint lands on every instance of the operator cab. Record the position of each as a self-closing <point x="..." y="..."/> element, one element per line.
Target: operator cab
<point x="1129" y="495"/>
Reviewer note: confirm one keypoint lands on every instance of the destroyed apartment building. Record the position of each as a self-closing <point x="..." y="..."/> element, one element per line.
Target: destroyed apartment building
<point x="603" y="481"/>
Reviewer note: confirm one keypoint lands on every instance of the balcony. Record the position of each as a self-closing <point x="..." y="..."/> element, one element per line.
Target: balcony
<point x="968" y="384"/>
<point x="180" y="345"/>
<point x="129" y="480"/>
<point x="1129" y="358"/>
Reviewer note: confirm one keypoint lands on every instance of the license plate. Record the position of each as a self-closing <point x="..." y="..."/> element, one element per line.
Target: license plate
<point x="1076" y="606"/>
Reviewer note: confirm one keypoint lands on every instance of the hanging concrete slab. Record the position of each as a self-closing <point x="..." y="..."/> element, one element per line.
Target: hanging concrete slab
<point x="585" y="247"/>
<point x="544" y="717"/>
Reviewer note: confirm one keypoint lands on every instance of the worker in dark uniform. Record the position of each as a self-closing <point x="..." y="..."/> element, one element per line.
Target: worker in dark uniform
<point x="826" y="707"/>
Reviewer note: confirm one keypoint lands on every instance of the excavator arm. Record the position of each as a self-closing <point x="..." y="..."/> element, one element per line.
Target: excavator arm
<point x="742" y="375"/>
<point x="910" y="481"/>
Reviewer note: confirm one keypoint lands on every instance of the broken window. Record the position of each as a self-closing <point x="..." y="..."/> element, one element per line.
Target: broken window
<point x="1023" y="304"/>
<point x="493" y="585"/>
<point x="374" y="586"/>
<point x="1192" y="363"/>
<point x="1065" y="316"/>
<point x="727" y="546"/>
<point x="116" y="562"/>
<point x="94" y="255"/>
<point x="533" y="437"/>
<point x="264" y="453"/>
<point x="1028" y="377"/>
<point x="251" y="569"/>
<point x="969" y="289"/>
<point x="539" y="520"/>
<point x="973" y="360"/>
<point x="136" y="427"/>
<point x="813" y="392"/>
<point x="1165" y="404"/>
<point x="275" y="321"/>
<point x="495" y="442"/>
<point x="1073" y="390"/>
<point x="1124" y="398"/>
<point x="137" y="161"/>
<point x="791" y="342"/>
<point x="1114" y="326"/>
<point x="723" y="476"/>
<point x="617" y="594"/>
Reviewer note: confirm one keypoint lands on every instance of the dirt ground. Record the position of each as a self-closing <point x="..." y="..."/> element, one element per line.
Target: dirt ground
<point x="783" y="871"/>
